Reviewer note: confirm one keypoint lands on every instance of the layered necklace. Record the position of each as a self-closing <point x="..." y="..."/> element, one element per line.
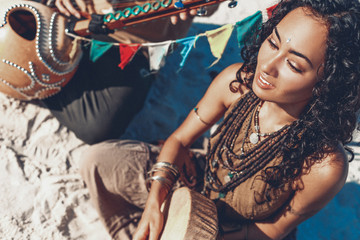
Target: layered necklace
<point x="255" y="136"/>
<point x="244" y="165"/>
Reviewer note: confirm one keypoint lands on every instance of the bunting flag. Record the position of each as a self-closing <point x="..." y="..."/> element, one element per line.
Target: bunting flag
<point x="98" y="48"/>
<point x="188" y="43"/>
<point x="157" y="55"/>
<point x="75" y="45"/>
<point x="127" y="52"/>
<point x="218" y="40"/>
<point x="247" y="27"/>
<point x="269" y="10"/>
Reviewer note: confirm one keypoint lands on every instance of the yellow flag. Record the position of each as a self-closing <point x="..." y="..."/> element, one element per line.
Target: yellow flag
<point x="218" y="39"/>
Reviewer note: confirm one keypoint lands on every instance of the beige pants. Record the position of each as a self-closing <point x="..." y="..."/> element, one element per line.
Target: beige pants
<point x="115" y="172"/>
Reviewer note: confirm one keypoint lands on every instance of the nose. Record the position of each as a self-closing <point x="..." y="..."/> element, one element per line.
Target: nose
<point x="271" y="64"/>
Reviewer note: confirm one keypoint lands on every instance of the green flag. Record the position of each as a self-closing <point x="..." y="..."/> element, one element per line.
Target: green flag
<point x="247" y="27"/>
<point x="98" y="49"/>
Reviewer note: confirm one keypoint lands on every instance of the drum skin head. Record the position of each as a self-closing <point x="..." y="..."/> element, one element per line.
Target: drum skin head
<point x="37" y="58"/>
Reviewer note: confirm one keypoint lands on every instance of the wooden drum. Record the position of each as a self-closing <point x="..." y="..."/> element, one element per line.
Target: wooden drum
<point x="190" y="215"/>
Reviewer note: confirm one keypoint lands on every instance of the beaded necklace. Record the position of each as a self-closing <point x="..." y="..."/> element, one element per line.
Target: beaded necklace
<point x="247" y="163"/>
<point x="255" y="136"/>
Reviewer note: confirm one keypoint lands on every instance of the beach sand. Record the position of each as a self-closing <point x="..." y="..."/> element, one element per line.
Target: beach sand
<point x="41" y="193"/>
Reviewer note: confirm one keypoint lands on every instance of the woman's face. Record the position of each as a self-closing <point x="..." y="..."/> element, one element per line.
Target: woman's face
<point x="290" y="60"/>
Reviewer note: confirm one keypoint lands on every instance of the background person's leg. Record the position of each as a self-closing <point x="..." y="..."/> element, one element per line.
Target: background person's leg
<point x="101" y="99"/>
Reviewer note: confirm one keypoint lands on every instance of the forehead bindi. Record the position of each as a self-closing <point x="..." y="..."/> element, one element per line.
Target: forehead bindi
<point x="307" y="33"/>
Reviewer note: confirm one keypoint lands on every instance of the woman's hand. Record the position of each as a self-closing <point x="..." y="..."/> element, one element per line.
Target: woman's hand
<point x="150" y="225"/>
<point x="152" y="219"/>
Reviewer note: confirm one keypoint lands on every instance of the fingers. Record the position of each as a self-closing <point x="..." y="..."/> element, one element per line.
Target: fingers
<point x="150" y="226"/>
<point x="91" y="8"/>
<point x="193" y="12"/>
<point x="155" y="230"/>
<point x="183" y="16"/>
<point x="174" y="19"/>
<point x="144" y="231"/>
<point x="141" y="233"/>
<point x="66" y="7"/>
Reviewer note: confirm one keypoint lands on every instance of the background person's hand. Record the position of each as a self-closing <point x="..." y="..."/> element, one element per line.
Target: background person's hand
<point x="67" y="8"/>
<point x="183" y="16"/>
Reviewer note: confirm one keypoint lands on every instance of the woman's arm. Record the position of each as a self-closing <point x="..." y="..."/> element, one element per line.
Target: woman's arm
<point x="211" y="108"/>
<point x="317" y="188"/>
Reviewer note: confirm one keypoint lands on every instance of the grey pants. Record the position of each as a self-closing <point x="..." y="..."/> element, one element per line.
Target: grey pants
<point x="101" y="99"/>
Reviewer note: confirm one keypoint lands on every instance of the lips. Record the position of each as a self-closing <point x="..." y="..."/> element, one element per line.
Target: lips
<point x="262" y="83"/>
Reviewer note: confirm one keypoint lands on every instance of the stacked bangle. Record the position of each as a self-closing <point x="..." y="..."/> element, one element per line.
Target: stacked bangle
<point x="163" y="180"/>
<point x="171" y="175"/>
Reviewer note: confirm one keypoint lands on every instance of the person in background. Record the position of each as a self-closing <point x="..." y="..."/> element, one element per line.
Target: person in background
<point x="279" y="155"/>
<point x="101" y="99"/>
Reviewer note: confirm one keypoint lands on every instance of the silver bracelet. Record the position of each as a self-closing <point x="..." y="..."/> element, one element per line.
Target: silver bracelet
<point x="173" y="169"/>
<point x="166" y="182"/>
<point x="169" y="174"/>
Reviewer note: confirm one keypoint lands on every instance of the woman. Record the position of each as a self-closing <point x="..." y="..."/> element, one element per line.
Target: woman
<point x="278" y="157"/>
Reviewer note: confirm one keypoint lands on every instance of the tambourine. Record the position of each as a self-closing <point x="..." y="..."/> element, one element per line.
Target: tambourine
<point x="37" y="58"/>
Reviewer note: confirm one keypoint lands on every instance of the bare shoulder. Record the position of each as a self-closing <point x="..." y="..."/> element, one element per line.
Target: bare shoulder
<point x="315" y="189"/>
<point x="333" y="168"/>
<point x="324" y="180"/>
<point x="226" y="79"/>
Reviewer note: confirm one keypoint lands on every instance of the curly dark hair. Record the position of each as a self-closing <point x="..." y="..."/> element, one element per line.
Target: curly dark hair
<point x="331" y="115"/>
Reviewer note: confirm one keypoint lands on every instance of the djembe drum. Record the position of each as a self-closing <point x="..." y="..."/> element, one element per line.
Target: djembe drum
<point x="189" y="215"/>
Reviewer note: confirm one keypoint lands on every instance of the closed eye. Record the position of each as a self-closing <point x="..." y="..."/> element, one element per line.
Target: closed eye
<point x="272" y="44"/>
<point x="293" y="68"/>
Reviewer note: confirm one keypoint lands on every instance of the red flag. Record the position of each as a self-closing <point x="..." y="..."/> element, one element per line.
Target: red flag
<point x="127" y="52"/>
<point x="270" y="10"/>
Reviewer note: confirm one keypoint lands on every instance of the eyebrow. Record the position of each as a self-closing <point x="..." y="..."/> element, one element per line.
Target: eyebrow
<point x="303" y="56"/>
<point x="277" y="34"/>
<point x="293" y="51"/>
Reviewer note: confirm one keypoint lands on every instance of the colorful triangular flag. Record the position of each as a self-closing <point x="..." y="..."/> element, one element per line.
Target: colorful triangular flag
<point x="270" y="10"/>
<point x="188" y="43"/>
<point x="247" y="27"/>
<point x="218" y="39"/>
<point x="76" y="44"/>
<point x="157" y="55"/>
<point x="98" y="48"/>
<point x="127" y="52"/>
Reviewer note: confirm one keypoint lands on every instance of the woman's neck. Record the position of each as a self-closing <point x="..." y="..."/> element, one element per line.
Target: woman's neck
<point x="274" y="116"/>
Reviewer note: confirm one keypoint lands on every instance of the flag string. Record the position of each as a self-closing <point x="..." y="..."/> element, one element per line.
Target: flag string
<point x="217" y="38"/>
